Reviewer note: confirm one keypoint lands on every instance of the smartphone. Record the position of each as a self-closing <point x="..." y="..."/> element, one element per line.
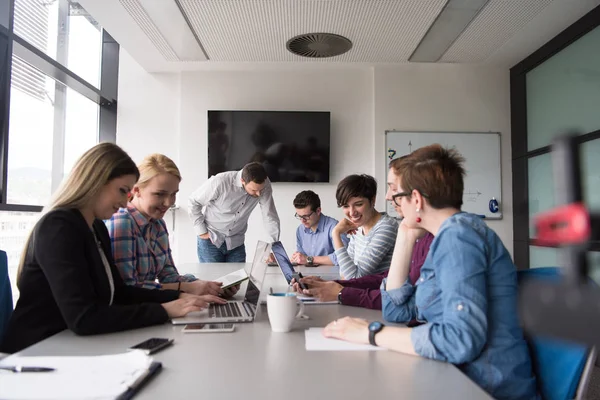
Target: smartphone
<point x="297" y="276"/>
<point x="208" y="328"/>
<point x="152" y="345"/>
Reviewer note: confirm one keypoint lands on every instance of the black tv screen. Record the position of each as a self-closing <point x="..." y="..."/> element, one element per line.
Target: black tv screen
<point x="293" y="146"/>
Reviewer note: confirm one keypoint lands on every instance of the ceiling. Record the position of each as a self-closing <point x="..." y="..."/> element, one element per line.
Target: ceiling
<point x="255" y="32"/>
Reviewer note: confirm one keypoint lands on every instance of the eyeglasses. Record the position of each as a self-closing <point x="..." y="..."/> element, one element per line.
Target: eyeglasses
<point x="304" y="217"/>
<point x="398" y="196"/>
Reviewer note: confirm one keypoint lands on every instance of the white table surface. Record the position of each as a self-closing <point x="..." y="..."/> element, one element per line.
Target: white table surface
<point x="255" y="363"/>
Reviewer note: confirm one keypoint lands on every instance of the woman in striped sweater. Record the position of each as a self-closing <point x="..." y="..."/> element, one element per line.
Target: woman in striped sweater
<point x="372" y="234"/>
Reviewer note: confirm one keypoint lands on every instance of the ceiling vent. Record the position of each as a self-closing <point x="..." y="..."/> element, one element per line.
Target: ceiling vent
<point x="318" y="45"/>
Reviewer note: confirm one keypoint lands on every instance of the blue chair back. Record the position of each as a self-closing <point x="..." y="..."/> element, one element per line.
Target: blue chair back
<point x="558" y="365"/>
<point x="6" y="304"/>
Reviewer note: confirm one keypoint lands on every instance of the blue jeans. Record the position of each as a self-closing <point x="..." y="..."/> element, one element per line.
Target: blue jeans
<point x="209" y="253"/>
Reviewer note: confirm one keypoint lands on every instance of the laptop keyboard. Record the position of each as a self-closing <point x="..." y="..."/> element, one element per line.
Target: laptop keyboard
<point x="224" y="310"/>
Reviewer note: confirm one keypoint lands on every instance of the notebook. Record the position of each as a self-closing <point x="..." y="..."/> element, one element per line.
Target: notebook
<point x="116" y="376"/>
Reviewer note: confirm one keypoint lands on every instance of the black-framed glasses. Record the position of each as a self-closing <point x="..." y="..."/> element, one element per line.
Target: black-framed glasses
<point x="304" y="217"/>
<point x="396" y="198"/>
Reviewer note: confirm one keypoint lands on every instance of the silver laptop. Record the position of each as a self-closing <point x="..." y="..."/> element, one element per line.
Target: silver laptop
<point x="235" y="310"/>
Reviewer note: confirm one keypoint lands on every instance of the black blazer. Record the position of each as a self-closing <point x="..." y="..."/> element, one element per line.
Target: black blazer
<point x="64" y="285"/>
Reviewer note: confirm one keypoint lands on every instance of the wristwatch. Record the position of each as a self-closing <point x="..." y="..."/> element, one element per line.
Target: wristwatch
<point x="309" y="260"/>
<point x="340" y="297"/>
<point x="374" y="328"/>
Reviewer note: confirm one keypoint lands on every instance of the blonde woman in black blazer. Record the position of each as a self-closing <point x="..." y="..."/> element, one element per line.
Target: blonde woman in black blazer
<point x="67" y="277"/>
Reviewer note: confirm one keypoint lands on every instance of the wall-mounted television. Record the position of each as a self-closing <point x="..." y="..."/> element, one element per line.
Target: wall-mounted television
<point x="293" y="146"/>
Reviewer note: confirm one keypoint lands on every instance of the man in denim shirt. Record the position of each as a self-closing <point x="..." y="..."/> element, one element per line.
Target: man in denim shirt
<point x="467" y="292"/>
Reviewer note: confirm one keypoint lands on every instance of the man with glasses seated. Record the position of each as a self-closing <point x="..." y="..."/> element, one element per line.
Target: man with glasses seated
<point x="314" y="243"/>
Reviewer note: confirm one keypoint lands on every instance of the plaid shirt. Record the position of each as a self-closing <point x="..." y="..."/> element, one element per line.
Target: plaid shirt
<point x="141" y="249"/>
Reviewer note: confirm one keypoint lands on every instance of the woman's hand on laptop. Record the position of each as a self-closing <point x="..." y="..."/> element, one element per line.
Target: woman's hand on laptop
<point x="188" y="303"/>
<point x="201" y="287"/>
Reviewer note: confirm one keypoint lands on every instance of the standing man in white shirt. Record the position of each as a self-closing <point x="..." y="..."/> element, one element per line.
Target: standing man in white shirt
<point x="220" y="209"/>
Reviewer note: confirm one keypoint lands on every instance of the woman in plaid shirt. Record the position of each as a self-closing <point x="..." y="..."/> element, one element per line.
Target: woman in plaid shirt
<point x="139" y="236"/>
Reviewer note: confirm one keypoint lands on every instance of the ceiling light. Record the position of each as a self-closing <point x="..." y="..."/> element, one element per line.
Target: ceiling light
<point x="448" y="26"/>
<point x="170" y="20"/>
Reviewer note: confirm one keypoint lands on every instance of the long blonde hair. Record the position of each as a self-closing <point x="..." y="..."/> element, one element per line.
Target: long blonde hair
<point x="94" y="169"/>
<point x="156" y="164"/>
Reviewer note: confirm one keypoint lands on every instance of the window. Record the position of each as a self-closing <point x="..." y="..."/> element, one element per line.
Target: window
<point x="30" y="138"/>
<point x="64" y="31"/>
<point x="555" y="91"/>
<point x="42" y="150"/>
<point x="563" y="92"/>
<point x="53" y="106"/>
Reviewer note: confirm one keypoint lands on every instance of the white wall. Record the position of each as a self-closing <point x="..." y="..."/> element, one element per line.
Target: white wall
<point x="168" y="114"/>
<point x="447" y="97"/>
<point x="347" y="93"/>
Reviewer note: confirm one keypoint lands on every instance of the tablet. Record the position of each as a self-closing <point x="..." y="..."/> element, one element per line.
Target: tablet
<point x="232" y="279"/>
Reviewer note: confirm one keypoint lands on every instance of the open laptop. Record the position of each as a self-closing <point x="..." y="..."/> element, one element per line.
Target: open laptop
<point x="288" y="271"/>
<point x="235" y="310"/>
<point x="276" y="264"/>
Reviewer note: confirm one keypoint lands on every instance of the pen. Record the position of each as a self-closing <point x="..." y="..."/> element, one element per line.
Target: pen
<point x="18" y="368"/>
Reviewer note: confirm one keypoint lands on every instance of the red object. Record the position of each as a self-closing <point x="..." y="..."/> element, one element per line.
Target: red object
<point x="418" y="219"/>
<point x="564" y="225"/>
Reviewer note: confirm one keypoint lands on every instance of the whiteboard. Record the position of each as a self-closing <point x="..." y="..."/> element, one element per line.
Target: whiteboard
<point x="481" y="151"/>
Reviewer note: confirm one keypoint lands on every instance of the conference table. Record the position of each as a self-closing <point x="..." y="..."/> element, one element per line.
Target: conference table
<point x="255" y="363"/>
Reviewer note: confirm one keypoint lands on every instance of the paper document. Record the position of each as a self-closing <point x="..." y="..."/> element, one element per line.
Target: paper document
<point x="99" y="377"/>
<point x="315" y="341"/>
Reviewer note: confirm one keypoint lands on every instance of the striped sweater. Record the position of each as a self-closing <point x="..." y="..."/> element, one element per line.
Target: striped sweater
<point x="371" y="253"/>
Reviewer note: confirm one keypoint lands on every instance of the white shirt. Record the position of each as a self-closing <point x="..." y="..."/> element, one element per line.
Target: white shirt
<point x="222" y="207"/>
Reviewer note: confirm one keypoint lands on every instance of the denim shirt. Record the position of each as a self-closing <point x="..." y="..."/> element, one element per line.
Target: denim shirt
<point x="467" y="295"/>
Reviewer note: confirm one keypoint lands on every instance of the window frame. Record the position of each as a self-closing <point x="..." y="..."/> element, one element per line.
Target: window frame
<point x="105" y="96"/>
<point x="520" y="152"/>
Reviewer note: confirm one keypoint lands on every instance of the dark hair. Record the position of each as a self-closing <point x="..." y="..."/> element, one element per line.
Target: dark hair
<point x="356" y="186"/>
<point x="437" y="173"/>
<point x="124" y="166"/>
<point x="307" y="198"/>
<point x="254" y="172"/>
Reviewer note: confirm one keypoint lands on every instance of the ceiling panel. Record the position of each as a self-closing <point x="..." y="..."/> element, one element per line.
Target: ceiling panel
<point x="492" y="28"/>
<point x="257" y="31"/>
<point x="144" y="22"/>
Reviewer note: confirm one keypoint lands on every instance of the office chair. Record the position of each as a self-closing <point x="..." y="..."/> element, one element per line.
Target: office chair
<point x="6" y="304"/>
<point x="562" y="369"/>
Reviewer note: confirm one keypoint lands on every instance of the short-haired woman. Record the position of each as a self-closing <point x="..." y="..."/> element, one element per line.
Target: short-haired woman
<point x="372" y="233"/>
<point x="467" y="292"/>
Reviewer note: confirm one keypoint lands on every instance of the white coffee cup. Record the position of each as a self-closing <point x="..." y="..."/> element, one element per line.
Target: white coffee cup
<point x="283" y="311"/>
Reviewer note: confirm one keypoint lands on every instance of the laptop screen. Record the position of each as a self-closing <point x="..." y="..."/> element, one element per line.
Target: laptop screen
<point x="283" y="260"/>
<point x="259" y="265"/>
<point x="252" y="293"/>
